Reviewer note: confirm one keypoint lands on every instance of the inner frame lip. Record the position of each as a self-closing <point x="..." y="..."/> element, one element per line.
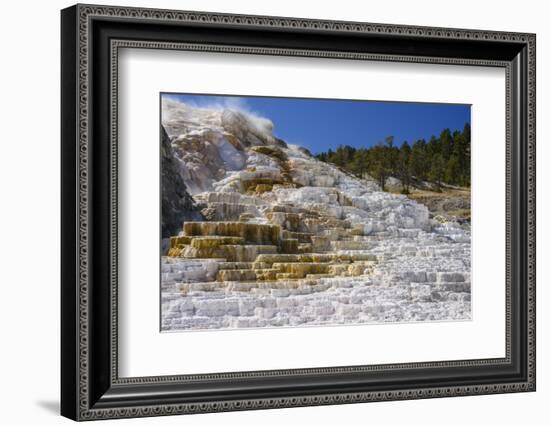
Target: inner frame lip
<point x="116" y="44"/>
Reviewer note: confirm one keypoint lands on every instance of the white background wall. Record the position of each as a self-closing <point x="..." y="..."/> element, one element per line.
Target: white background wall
<point x="29" y="212"/>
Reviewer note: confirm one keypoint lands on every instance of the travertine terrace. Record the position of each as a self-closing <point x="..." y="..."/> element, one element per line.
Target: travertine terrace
<point x="287" y="240"/>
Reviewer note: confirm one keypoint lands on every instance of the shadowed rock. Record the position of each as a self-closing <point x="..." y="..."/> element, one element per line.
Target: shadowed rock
<point x="177" y="204"/>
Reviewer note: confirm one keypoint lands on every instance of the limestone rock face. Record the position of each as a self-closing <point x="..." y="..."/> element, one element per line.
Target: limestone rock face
<point x="250" y="131"/>
<point x="177" y="204"/>
<point x="287" y="240"/>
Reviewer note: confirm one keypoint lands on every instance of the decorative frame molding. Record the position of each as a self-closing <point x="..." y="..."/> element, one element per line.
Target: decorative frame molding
<point x="91" y="388"/>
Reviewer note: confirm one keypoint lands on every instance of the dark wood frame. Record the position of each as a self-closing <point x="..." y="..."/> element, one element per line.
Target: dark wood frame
<point x="90" y="386"/>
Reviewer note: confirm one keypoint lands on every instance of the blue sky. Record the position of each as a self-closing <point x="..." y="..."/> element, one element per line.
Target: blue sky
<point x="319" y="124"/>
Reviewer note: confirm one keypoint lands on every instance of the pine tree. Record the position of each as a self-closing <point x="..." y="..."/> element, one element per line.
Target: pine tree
<point x="443" y="159"/>
<point x="404" y="166"/>
<point x="452" y="170"/>
<point x="437" y="170"/>
<point x="419" y="160"/>
<point x="446" y="143"/>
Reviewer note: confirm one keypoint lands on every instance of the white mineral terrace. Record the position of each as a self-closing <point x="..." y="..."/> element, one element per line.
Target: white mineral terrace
<point x="289" y="240"/>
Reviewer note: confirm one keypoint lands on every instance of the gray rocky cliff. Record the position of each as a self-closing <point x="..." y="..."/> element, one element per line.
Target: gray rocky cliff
<point x="177" y="204"/>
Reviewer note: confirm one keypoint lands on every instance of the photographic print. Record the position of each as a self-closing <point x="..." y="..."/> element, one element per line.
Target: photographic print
<point x="282" y="212"/>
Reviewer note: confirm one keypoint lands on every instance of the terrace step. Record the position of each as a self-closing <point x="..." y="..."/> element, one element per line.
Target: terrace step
<point x="236" y="275"/>
<point x="300" y="270"/>
<point x="349" y="245"/>
<point x="231" y="252"/>
<point x="214" y="241"/>
<point x="235" y="265"/>
<point x="250" y="232"/>
<point x="302" y="237"/>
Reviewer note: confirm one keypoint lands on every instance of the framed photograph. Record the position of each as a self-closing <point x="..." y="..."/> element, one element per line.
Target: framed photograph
<point x="263" y="212"/>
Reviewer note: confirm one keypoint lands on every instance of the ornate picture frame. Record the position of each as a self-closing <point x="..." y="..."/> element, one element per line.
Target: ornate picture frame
<point x="91" y="37"/>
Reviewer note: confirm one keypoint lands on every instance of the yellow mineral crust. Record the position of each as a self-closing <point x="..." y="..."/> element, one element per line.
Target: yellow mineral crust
<point x="250" y="232"/>
<point x="275" y="255"/>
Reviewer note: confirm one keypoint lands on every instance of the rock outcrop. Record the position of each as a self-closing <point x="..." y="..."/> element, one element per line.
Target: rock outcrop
<point x="177" y="204"/>
<point x="288" y="240"/>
